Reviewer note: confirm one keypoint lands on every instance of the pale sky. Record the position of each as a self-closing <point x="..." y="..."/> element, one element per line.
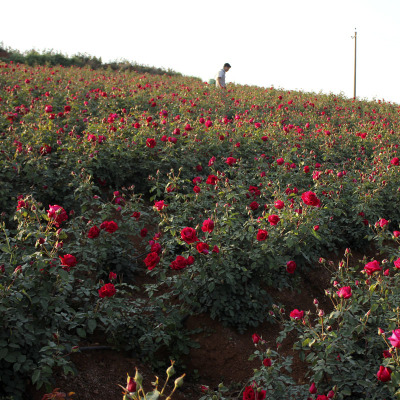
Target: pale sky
<point x="299" y="45"/>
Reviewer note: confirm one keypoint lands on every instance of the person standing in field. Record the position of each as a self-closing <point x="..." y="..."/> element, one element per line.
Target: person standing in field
<point x="220" y="78"/>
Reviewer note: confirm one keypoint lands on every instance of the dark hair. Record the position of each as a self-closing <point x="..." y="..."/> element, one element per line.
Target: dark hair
<point x="227" y="65"/>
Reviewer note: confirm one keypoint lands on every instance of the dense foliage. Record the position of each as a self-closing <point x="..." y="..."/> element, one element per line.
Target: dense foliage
<point x="218" y="194"/>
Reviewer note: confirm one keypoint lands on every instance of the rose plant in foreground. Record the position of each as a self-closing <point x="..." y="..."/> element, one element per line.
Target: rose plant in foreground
<point x="351" y="334"/>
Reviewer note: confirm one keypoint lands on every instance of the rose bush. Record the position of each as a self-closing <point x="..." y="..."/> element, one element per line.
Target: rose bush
<point x="49" y="301"/>
<point x="226" y="197"/>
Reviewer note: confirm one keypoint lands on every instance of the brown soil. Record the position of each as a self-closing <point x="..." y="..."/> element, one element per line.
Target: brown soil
<point x="222" y="356"/>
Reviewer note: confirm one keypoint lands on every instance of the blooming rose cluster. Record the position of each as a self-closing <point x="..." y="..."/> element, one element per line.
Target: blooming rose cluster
<point x="152" y="260"/>
<point x="57" y="215"/>
<point x="311" y="199"/>
<point x="181" y="262"/>
<point x="109" y="226"/>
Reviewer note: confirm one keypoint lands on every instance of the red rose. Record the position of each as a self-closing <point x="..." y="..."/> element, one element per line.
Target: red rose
<point x="230" y="161"/>
<point x="279" y="204"/>
<point x="202" y="247"/>
<point x="57" y="214"/>
<point x="196" y="189"/>
<point x="256" y="338"/>
<point x="208" y="225"/>
<point x="384" y="374"/>
<point x="312" y="388"/>
<point x="131" y="385"/>
<point x="261" y="395"/>
<point x="311" y="199"/>
<point x="296" y="314"/>
<point x="108" y="290"/>
<point x="151" y="143"/>
<point x="188" y="235"/>
<point x="344" y="292"/>
<point x="156" y="248"/>
<point x="212" y="180"/>
<point x="48" y="109"/>
<point x="22" y="204"/>
<point x="397" y="263"/>
<point x="190" y="260"/>
<point x="136" y="215"/>
<point x="395" y="338"/>
<point x="387" y="354"/>
<point x="291" y="267"/>
<point x="262" y="235"/>
<point x="143" y="232"/>
<point x="179" y="263"/>
<point x="215" y="249"/>
<point x="280" y="161"/>
<point x="395" y="161"/>
<point x="273" y="219"/>
<point x="254" y="205"/>
<point x="109" y="226"/>
<point x="46" y="149"/>
<point x="112" y="276"/>
<point x="250" y="394"/>
<point x="94" y="231"/>
<point x="372" y="267"/>
<point x="68" y="261"/>
<point x="382" y="222"/>
<point x="159" y="205"/>
<point x="267" y="362"/>
<point x="151" y="260"/>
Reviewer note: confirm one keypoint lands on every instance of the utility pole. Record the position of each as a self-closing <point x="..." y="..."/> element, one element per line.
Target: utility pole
<point x="355" y="61"/>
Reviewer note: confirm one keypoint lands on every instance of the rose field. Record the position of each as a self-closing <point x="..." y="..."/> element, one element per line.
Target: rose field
<point x="249" y="235"/>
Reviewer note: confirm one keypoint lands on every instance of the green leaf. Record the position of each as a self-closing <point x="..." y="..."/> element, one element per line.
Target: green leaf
<point x="81" y="332"/>
<point x="315" y="234"/>
<point x="318" y="375"/>
<point x="3" y="352"/>
<point x="395" y="377"/>
<point x="11" y="357"/>
<point x="36" y="376"/>
<point x="63" y="275"/>
<point x="5" y="249"/>
<point x="153" y="395"/>
<point x="373" y="287"/>
<point x="92" y="325"/>
<point x="346" y="391"/>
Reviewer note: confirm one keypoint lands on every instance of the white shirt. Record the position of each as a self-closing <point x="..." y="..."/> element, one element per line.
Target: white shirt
<point x="221" y="74"/>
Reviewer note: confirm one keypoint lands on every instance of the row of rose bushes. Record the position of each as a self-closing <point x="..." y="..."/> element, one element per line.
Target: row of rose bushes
<point x="56" y="121"/>
<point x="351" y="351"/>
<point x="248" y="189"/>
<point x="63" y="277"/>
<point x="242" y="239"/>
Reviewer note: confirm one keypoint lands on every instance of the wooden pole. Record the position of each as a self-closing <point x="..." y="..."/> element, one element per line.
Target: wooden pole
<point x="355" y="62"/>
